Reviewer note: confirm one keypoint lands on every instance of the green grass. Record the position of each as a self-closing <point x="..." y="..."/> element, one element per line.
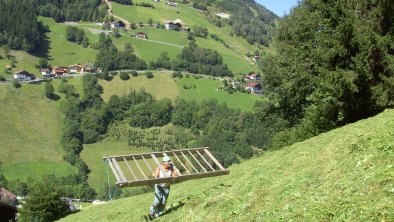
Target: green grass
<point x="30" y="126"/>
<point x="161" y="86"/>
<point x="207" y="89"/>
<point x="234" y="57"/>
<point x="92" y="154"/>
<point x="342" y="175"/>
<point x="62" y="52"/>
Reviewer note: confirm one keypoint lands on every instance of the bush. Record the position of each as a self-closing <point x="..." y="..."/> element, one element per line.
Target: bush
<point x="124" y="76"/>
<point x="149" y="75"/>
<point x="16" y="83"/>
<point x="134" y="73"/>
<point x="2" y="78"/>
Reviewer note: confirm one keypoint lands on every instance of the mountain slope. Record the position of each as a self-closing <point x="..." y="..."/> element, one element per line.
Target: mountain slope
<point x="345" y="174"/>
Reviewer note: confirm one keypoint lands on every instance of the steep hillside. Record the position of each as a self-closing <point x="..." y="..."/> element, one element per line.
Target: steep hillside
<point x="342" y="175"/>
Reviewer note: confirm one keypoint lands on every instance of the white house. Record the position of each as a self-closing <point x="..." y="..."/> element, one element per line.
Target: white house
<point x="46" y="72"/>
<point x="118" y="24"/>
<point x="24" y="76"/>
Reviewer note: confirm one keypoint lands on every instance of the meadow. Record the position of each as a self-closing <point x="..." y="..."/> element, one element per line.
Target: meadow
<point x="342" y="175"/>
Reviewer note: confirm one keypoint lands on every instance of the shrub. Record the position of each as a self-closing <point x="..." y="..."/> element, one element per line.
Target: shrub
<point x="124" y="76"/>
<point x="2" y="78"/>
<point x="149" y="75"/>
<point x="134" y="73"/>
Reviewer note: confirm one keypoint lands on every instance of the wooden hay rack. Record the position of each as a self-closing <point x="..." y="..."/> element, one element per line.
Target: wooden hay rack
<point x="136" y="169"/>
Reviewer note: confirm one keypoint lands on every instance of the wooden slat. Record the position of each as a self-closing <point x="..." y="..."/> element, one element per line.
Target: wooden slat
<point x="120" y="172"/>
<point x="131" y="170"/>
<point x="178" y="172"/>
<point x="206" y="161"/>
<point x="113" y="170"/>
<point x="142" y="172"/>
<point x="159" y="165"/>
<point x="198" y="162"/>
<point x="189" y="162"/>
<point x="146" y="162"/>
<point x="181" y="163"/>
<point x="214" y="159"/>
<point x="172" y="179"/>
<point x="157" y="154"/>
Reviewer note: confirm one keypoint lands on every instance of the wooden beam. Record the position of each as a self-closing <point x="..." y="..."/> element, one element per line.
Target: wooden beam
<point x="117" y="168"/>
<point x="146" y="162"/>
<point x="130" y="170"/>
<point x="198" y="162"/>
<point x="181" y="163"/>
<point x="157" y="154"/>
<point x="113" y="170"/>
<point x="142" y="172"/>
<point x="206" y="161"/>
<point x="214" y="159"/>
<point x="189" y="162"/>
<point x="171" y="179"/>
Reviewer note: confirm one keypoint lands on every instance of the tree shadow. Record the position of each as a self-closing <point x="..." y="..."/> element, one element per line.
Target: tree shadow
<point x="45" y="46"/>
<point x="54" y="97"/>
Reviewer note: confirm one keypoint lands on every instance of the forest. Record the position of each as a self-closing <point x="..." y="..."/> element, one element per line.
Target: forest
<point x="335" y="65"/>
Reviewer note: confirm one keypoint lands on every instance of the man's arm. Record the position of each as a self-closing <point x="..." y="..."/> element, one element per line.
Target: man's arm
<point x="156" y="174"/>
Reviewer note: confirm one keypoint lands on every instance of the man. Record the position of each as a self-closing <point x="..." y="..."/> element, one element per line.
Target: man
<point x="162" y="190"/>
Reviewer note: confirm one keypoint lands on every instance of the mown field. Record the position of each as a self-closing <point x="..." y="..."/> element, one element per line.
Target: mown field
<point x="204" y="89"/>
<point x="30" y="126"/>
<point x="342" y="175"/>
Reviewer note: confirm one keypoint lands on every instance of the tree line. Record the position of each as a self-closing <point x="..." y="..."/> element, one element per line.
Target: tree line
<point x="19" y="28"/>
<point x="332" y="68"/>
<point x="72" y="10"/>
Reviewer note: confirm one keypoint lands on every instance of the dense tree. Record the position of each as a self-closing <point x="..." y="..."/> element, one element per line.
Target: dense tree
<point x="44" y="201"/>
<point x="72" y="10"/>
<point x="49" y="90"/>
<point x="333" y="65"/>
<point x="19" y="28"/>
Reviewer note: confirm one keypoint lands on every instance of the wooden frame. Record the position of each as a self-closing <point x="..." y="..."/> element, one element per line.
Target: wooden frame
<point x="196" y="163"/>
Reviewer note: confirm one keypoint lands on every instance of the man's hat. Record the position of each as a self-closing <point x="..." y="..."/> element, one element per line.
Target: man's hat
<point x="166" y="159"/>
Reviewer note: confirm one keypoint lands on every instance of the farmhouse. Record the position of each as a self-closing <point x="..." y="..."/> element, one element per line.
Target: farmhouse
<point x="90" y="68"/>
<point x="176" y="25"/>
<point x="75" y="69"/>
<point x="141" y="35"/>
<point x="118" y="24"/>
<point x="59" y="70"/>
<point x="254" y="88"/>
<point x="252" y="77"/>
<point x="46" y="72"/>
<point x="24" y="76"/>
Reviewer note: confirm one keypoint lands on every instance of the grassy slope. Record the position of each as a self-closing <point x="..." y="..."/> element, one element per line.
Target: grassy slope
<point x="161" y="86"/>
<point x="234" y="58"/>
<point x="206" y="89"/>
<point x="30" y="127"/>
<point x="342" y="175"/>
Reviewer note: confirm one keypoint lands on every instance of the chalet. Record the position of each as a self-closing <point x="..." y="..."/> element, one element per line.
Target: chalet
<point x="24" y="76"/>
<point x="173" y="26"/>
<point x="172" y="4"/>
<point x="75" y="69"/>
<point x="252" y="77"/>
<point x="90" y="68"/>
<point x="141" y="35"/>
<point x="118" y="24"/>
<point x="7" y="196"/>
<point x="254" y="88"/>
<point x="59" y="70"/>
<point x="46" y="72"/>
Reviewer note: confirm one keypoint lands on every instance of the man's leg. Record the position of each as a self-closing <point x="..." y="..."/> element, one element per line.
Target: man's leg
<point x="156" y="201"/>
<point x="162" y="206"/>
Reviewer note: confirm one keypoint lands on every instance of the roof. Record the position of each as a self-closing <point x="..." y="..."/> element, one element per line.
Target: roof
<point x="253" y="84"/>
<point x="140" y="33"/>
<point x="23" y="72"/>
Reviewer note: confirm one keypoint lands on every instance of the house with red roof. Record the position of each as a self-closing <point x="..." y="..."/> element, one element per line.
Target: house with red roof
<point x="254" y="88"/>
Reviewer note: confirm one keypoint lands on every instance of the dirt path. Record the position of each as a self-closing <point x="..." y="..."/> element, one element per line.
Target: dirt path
<point x="127" y="23"/>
